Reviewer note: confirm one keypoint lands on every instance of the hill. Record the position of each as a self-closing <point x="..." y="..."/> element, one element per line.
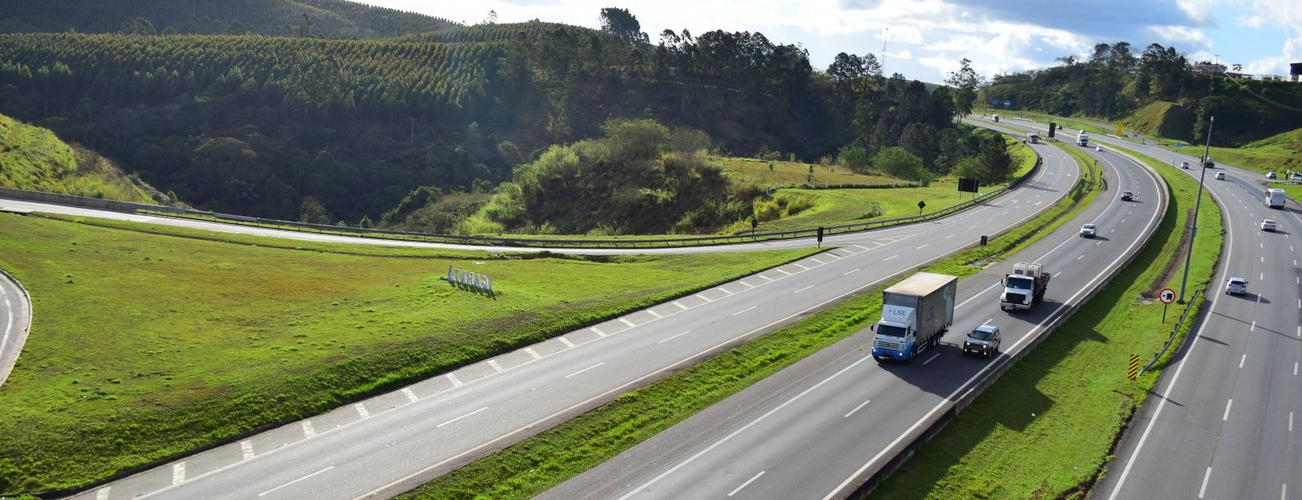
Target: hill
<point x="33" y="158"/>
<point x="319" y="18"/>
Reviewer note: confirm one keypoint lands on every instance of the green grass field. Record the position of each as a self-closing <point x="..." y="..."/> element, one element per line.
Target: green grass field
<point x="753" y="172"/>
<point x="33" y="158"/>
<point x="1047" y="427"/>
<point x="145" y="345"/>
<point x="538" y="463"/>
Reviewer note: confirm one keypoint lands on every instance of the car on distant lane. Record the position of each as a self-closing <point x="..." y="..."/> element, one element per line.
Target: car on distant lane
<point x="1268" y="225"/>
<point x="1236" y="286"/>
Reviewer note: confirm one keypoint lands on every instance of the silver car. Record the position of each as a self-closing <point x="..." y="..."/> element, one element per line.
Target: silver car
<point x="1088" y="231"/>
<point x="1236" y="286"/>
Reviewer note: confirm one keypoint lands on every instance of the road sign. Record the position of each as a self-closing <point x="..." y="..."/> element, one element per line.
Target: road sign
<point x="1167" y="296"/>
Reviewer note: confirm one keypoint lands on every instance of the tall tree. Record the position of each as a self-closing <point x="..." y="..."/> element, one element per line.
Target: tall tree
<point x="964" y="81"/>
<point x="623" y="24"/>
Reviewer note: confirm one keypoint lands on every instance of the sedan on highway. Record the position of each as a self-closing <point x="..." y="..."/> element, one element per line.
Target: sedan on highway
<point x="1220" y="176"/>
<point x="1088" y="231"/>
<point x="1270" y="175"/>
<point x="1127" y="196"/>
<point x="1236" y="286"/>
<point x="1268" y="225"/>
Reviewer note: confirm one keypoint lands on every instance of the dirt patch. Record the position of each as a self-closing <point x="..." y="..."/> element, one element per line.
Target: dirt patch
<point x="1181" y="252"/>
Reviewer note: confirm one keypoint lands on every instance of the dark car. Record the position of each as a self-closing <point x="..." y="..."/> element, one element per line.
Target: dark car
<point x="983" y="341"/>
<point x="1127" y="196"/>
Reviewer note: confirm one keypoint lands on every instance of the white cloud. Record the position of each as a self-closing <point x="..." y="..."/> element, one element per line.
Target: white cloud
<point x="1282" y="13"/>
<point x="1181" y="34"/>
<point x="1277" y="65"/>
<point x="1198" y="10"/>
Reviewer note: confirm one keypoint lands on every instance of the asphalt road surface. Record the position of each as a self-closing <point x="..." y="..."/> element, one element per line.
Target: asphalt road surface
<point x="15" y="320"/>
<point x="823" y="426"/>
<point x="395" y="441"/>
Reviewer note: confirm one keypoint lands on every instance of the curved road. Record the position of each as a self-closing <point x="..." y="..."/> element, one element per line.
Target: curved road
<point x="15" y="321"/>
<point x="394" y="441"/>
<point x="825" y="425"/>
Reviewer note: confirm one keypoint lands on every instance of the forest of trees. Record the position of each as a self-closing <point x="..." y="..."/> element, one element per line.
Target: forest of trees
<point x="343" y="129"/>
<point x="1116" y="81"/>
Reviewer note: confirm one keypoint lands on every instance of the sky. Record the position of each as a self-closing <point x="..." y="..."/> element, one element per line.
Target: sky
<point x="926" y="39"/>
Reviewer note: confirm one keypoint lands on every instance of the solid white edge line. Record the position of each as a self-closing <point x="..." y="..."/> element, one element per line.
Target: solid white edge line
<point x="456" y="419"/>
<point x="747" y="483"/>
<point x="296" y="480"/>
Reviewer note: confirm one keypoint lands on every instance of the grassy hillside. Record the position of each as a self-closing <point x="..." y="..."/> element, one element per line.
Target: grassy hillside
<point x="1160" y="119"/>
<point x="152" y="342"/>
<point x="35" y="159"/>
<point x="323" y="18"/>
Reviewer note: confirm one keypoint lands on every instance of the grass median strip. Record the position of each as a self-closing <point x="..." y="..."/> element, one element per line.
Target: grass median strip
<point x="1047" y="428"/>
<point x="152" y="342"/>
<point x="547" y="459"/>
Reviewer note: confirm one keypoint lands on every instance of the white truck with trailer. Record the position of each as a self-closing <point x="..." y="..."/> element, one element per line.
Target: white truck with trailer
<point x="916" y="313"/>
<point x="1082" y="139"/>
<point x="1025" y="287"/>
<point x="1032" y="137"/>
<point x="1275" y="198"/>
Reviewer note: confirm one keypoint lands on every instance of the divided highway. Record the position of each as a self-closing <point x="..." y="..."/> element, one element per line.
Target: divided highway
<point x="394" y="441"/>
<point x="825" y="425"/>
<point x="1224" y="420"/>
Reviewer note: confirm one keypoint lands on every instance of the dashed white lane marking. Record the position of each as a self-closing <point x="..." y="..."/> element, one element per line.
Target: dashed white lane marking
<point x="680" y="305"/>
<point x="1283" y="492"/>
<point x="1228" y="404"/>
<point x="1290" y="421"/>
<point x="1242" y="360"/>
<point x="803" y="289"/>
<point x="456" y="382"/>
<point x="627" y="322"/>
<point x="747" y="483"/>
<point x="1253" y="327"/>
<point x="748" y="309"/>
<point x="178" y="473"/>
<point x="653" y="313"/>
<point x="725" y="290"/>
<point x="863" y="248"/>
<point x="566" y="342"/>
<point x="797" y="264"/>
<point x="674" y="337"/>
<point x="1097" y="243"/>
<point x="496" y="367"/>
<point x="950" y="236"/>
<point x="924" y="245"/>
<point x="748" y="285"/>
<point x="861" y="405"/>
<point x="847" y="273"/>
<point x="246" y="449"/>
<point x="308" y="431"/>
<point x="1082" y="256"/>
<point x="411" y="396"/>
<point x="532" y="353"/>
<point x="932" y="358"/>
<point x="361" y="410"/>
<point x="815" y="259"/>
<point x="783" y="272"/>
<point x="103" y="493"/>
<point x="296" y="480"/>
<point x="585" y="369"/>
<point x="971" y="228"/>
<point x="1262" y="277"/>
<point x="702" y="297"/>
<point x="597" y="331"/>
<point x="1203" y="490"/>
<point x="891" y="257"/>
<point x="461" y="417"/>
<point x="1113" y="230"/>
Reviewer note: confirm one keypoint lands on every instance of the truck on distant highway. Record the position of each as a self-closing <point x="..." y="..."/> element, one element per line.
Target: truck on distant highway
<point x="1024" y="287"/>
<point x="1275" y="198"/>
<point x="1033" y="137"/>
<point x="1082" y="139"/>
<point x="916" y="312"/>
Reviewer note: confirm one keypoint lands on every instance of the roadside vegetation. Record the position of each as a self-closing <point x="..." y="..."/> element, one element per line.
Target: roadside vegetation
<point x="34" y="159"/>
<point x="1048" y="427"/>
<point x="153" y="342"/>
<point x="538" y="463"/>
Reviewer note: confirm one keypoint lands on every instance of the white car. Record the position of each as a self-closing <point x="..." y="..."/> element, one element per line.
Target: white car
<point x="1268" y="225"/>
<point x="1184" y="165"/>
<point x="1236" y="286"/>
<point x="1220" y="176"/>
<point x="1098" y="148"/>
<point x="1088" y="231"/>
<point x="1270" y="175"/>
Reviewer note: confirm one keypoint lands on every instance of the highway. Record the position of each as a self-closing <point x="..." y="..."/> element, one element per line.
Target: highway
<point x="15" y="321"/>
<point x="822" y="427"/>
<point x="1223" y="420"/>
<point x="395" y="441"/>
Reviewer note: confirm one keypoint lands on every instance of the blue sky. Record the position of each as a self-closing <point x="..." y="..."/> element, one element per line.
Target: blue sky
<point x="926" y="39"/>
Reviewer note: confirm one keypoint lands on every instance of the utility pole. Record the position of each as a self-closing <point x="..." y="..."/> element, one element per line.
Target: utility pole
<point x="886" y="37"/>
<point x="1193" y="224"/>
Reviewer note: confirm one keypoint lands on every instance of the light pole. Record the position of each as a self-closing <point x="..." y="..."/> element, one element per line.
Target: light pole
<point x="1193" y="224"/>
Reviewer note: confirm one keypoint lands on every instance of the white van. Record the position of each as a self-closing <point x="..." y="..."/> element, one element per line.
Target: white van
<point x="1275" y="198"/>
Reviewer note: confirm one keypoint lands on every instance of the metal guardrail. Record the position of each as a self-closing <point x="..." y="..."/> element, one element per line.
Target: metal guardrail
<point x="1174" y="331"/>
<point x="502" y="241"/>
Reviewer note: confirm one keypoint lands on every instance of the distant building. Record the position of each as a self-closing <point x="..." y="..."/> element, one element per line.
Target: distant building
<point x="1295" y="71"/>
<point x="1209" y="68"/>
